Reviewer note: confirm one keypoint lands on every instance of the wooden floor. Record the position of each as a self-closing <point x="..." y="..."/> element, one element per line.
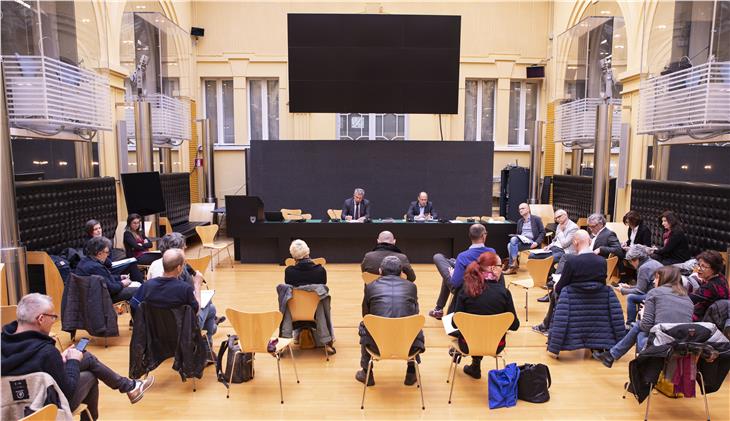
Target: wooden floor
<point x="582" y="388"/>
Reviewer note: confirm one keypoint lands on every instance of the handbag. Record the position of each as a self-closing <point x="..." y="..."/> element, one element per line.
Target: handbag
<point x="534" y="383"/>
<point x="502" y="386"/>
<point x="244" y="362"/>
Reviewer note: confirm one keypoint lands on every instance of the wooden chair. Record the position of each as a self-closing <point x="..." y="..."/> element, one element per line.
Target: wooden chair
<point x="53" y="280"/>
<point x="295" y="215"/>
<point x="538" y="270"/>
<point x="3" y="286"/>
<point x="368" y="277"/>
<point x="724" y="255"/>
<point x="611" y="264"/>
<point x="545" y="212"/>
<point x="582" y="223"/>
<point x="622" y="232"/>
<point x="482" y="334"/>
<point x="200" y="264"/>
<point x="207" y="235"/>
<point x="8" y="314"/>
<point x="47" y="413"/>
<point x="334" y="213"/>
<point x="467" y="218"/>
<point x="303" y="306"/>
<point x="317" y="261"/>
<point x="254" y="331"/>
<point x="164" y="222"/>
<point x="393" y="337"/>
<point x="493" y="219"/>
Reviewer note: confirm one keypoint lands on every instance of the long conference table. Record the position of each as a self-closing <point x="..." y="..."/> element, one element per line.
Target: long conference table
<point x="341" y="242"/>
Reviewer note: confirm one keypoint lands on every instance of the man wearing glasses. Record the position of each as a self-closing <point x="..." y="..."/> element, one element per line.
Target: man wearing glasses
<point x="27" y="348"/>
<point x="563" y="242"/>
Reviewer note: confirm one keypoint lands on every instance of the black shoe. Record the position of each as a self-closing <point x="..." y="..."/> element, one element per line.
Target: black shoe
<point x="541" y="329"/>
<point x="360" y="376"/>
<point x="474" y="371"/>
<point x="455" y="356"/>
<point x="604" y="357"/>
<point x="544" y="299"/>
<point x="410" y="379"/>
<point x="219" y="320"/>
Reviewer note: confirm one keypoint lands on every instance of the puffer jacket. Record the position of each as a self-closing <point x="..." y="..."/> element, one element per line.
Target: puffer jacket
<point x="87" y="305"/>
<point x="587" y="316"/>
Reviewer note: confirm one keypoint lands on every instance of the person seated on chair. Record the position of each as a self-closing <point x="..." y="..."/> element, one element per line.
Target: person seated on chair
<point x="482" y="294"/>
<point x="603" y="241"/>
<point x="562" y="244"/>
<point x="93" y="263"/>
<point x="93" y="229"/>
<point x="586" y="266"/>
<point x="304" y="271"/>
<point x="713" y="285"/>
<point x="386" y="247"/>
<point x="530" y="227"/>
<point x="667" y="303"/>
<point x="356" y="208"/>
<point x="136" y="244"/>
<point x="177" y="287"/>
<point x="422" y="209"/>
<point x="638" y="256"/>
<point x="639" y="233"/>
<point x="27" y="348"/>
<point x="675" y="247"/>
<point x="388" y="296"/>
<point x="452" y="270"/>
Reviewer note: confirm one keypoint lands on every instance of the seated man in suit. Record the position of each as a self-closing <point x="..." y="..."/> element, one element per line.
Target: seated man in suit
<point x="422" y="209"/>
<point x="388" y="296"/>
<point x="356" y="208"/>
<point x="386" y="247"/>
<point x="603" y="241"/>
<point x="530" y="227"/>
<point x="585" y="266"/>
<point x="452" y="270"/>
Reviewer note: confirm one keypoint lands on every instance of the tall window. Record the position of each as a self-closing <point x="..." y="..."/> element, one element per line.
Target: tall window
<point x="218" y="106"/>
<point x="479" y="110"/>
<point x="263" y="105"/>
<point x="357" y="126"/>
<point x="522" y="112"/>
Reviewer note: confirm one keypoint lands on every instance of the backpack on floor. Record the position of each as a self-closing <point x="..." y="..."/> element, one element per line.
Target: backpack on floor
<point x="244" y="362"/>
<point x="534" y="383"/>
<point x="306" y="339"/>
<point x="503" y="386"/>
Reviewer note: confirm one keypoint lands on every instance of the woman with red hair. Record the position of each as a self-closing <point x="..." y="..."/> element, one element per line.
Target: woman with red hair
<point x="483" y="294"/>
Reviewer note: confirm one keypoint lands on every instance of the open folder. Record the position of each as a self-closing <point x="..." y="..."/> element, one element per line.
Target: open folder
<point x="205" y="296"/>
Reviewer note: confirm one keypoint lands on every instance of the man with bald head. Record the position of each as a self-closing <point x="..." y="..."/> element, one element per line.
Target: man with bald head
<point x="422" y="209"/>
<point x="386" y="247"/>
<point x="585" y="266"/>
<point x="530" y="234"/>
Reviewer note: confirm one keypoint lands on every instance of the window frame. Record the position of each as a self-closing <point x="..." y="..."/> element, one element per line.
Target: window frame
<point x="480" y="92"/>
<point x="220" y="115"/>
<point x="522" y="142"/>
<point x="264" y="106"/>
<point x="372" y="124"/>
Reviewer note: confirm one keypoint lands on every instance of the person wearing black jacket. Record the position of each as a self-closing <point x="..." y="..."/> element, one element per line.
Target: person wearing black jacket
<point x="530" y="227"/>
<point x="27" y="348"/>
<point x="386" y="247"/>
<point x="675" y="247"/>
<point x="604" y="241"/>
<point x="483" y="294"/>
<point x="97" y="252"/>
<point x="304" y="271"/>
<point x="638" y="233"/>
<point x="422" y="209"/>
<point x="136" y="244"/>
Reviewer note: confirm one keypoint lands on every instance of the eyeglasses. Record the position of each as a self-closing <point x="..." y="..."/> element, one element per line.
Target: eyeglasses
<point x="703" y="266"/>
<point x="52" y="316"/>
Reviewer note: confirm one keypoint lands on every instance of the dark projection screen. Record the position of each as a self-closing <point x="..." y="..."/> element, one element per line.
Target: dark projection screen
<point x="317" y="175"/>
<point x="373" y="63"/>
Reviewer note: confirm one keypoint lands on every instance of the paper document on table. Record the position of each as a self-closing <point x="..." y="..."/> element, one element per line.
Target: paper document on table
<point x="448" y="325"/>
<point x="123" y="262"/>
<point x="205" y="296"/>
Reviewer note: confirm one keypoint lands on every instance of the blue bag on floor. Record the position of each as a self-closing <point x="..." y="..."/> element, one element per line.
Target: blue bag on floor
<point x="503" y="386"/>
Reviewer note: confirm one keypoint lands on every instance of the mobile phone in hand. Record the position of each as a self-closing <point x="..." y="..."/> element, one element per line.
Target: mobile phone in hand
<point x="81" y="346"/>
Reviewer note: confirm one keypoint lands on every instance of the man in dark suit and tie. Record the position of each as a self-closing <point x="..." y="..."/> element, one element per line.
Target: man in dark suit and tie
<point x="356" y="208"/>
<point x="422" y="209"/>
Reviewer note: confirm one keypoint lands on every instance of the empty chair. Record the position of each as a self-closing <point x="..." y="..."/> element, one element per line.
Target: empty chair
<point x="538" y="270"/>
<point x="482" y="334"/>
<point x="394" y="338"/>
<point x="200" y="264"/>
<point x="255" y="331"/>
<point x="295" y="215"/>
<point x="468" y="218"/>
<point x="334" y="213"/>
<point x="207" y="235"/>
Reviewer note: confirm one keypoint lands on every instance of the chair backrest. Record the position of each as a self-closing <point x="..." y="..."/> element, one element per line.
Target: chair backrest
<point x="53" y="280"/>
<point x="254" y="330"/>
<point x="200" y="264"/>
<point x="294" y="215"/>
<point x="317" y="261"/>
<point x="622" y="232"/>
<point x="724" y="261"/>
<point x="3" y="285"/>
<point x="119" y="235"/>
<point x="37" y="385"/>
<point x="582" y="222"/>
<point x="164" y="222"/>
<point x="539" y="270"/>
<point x="8" y="314"/>
<point x="394" y="336"/>
<point x="207" y="233"/>
<point x="334" y="213"/>
<point x="201" y="212"/>
<point x="303" y="305"/>
<point x="611" y="263"/>
<point x="467" y="218"/>
<point x="545" y="212"/>
<point x="368" y="277"/>
<point x="483" y="333"/>
<point x="47" y="413"/>
<point x="493" y="219"/>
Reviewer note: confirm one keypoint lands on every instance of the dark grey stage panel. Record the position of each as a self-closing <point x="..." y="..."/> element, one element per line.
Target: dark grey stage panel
<point x="316" y="175"/>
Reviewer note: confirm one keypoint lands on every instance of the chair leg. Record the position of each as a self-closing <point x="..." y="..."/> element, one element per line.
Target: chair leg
<point x="626" y="390"/>
<point x="228" y="250"/>
<point x="648" y="401"/>
<point x="326" y="355"/>
<point x="453" y="379"/>
<point x="212" y="261"/>
<point x="420" y="385"/>
<point x="106" y="343"/>
<point x="230" y="379"/>
<point x="451" y="365"/>
<point x="278" y="368"/>
<point x="194" y="388"/>
<point x="365" y="385"/>
<point x="526" y="305"/>
<point x="704" y="394"/>
<point x="294" y="363"/>
<point x="496" y="362"/>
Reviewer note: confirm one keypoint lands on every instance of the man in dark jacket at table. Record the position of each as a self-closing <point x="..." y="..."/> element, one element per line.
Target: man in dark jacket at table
<point x="356" y="208"/>
<point x="386" y="247"/>
<point x="389" y="296"/>
<point x="422" y="209"/>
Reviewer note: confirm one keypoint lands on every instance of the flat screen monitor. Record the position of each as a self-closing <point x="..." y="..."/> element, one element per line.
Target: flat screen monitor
<point x="143" y="193"/>
<point x="360" y="63"/>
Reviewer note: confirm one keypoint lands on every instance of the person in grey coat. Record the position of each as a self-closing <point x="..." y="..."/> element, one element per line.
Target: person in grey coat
<point x="389" y="296"/>
<point x="386" y="247"/>
<point x="667" y="303"/>
<point x="638" y="256"/>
